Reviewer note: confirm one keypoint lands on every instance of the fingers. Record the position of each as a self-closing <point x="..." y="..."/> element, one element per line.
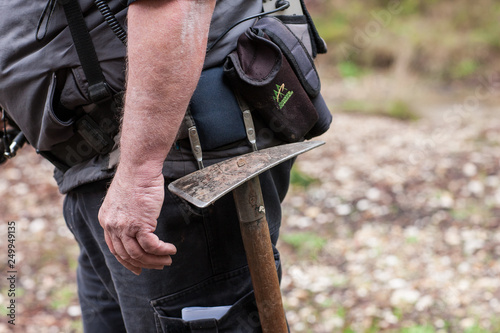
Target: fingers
<point x="147" y="260"/>
<point x="134" y="269"/>
<point x="153" y="245"/>
<point x="112" y="248"/>
<point x="147" y="251"/>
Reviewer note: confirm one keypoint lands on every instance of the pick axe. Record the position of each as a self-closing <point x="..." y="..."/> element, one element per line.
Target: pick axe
<point x="239" y="175"/>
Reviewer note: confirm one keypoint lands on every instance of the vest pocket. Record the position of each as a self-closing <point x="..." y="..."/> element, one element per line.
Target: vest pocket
<point x="54" y="129"/>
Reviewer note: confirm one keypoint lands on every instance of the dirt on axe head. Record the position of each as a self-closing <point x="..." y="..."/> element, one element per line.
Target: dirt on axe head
<point x="239" y="175"/>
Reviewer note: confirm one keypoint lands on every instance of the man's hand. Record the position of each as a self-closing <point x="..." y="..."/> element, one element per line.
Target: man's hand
<point x="128" y="216"/>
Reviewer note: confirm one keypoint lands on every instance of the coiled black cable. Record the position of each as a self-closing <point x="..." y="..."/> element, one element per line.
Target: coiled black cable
<point x="280" y="5"/>
<point x="110" y="18"/>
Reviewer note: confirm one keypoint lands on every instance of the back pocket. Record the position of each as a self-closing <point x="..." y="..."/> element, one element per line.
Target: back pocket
<point x="231" y="289"/>
<point x="242" y="317"/>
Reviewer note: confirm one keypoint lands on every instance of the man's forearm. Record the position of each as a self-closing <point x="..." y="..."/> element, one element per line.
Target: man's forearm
<point x="166" y="50"/>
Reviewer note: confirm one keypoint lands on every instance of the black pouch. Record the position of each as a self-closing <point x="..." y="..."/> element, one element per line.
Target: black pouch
<point x="273" y="71"/>
<point x="264" y="78"/>
<point x="289" y="33"/>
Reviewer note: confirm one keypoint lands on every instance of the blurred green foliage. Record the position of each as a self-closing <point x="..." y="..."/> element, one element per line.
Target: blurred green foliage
<point x="401" y="110"/>
<point x="397" y="109"/>
<point x="301" y="179"/>
<point x="349" y="69"/>
<point x="306" y="243"/>
<point x="63" y="297"/>
<point x="464" y="68"/>
<point x="476" y="329"/>
<point x="418" y="329"/>
<point x="375" y="328"/>
<point x="447" y="39"/>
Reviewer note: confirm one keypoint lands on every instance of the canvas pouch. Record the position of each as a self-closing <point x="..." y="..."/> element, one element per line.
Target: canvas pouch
<point x="268" y="80"/>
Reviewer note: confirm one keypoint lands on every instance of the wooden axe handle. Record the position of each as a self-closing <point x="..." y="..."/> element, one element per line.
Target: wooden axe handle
<point x="260" y="256"/>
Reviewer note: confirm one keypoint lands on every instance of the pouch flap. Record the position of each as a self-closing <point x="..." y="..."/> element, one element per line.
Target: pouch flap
<point x="258" y="59"/>
<point x="294" y="51"/>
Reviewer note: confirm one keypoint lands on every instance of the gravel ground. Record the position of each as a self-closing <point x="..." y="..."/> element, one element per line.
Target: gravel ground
<point x="406" y="218"/>
<point x="399" y="229"/>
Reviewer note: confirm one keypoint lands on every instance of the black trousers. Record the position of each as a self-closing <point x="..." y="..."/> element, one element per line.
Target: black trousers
<point x="209" y="269"/>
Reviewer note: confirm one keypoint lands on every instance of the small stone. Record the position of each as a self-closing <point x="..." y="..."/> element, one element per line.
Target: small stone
<point x="402" y="297"/>
<point x="439" y="323"/>
<point x="397" y="284"/>
<point x="28" y="283"/>
<point x="336" y="322"/>
<point x="373" y="194"/>
<point x="362" y="292"/>
<point x="476" y="187"/>
<point x="20" y="189"/>
<point x="297" y="201"/>
<point x="392" y="260"/>
<point x="445" y="261"/>
<point x="467" y="323"/>
<point x="452" y="236"/>
<point x="301" y="294"/>
<point x="320" y="298"/>
<point x="13" y="174"/>
<point x="424" y="303"/>
<point x="492" y="181"/>
<point x="343" y="173"/>
<point x="446" y="200"/>
<point x="324" y="218"/>
<point x="344" y="209"/>
<point x="300" y="221"/>
<point x="313" y="211"/>
<point x="363" y="205"/>
<point x="74" y="311"/>
<point x="469" y="169"/>
<point x="464" y="267"/>
<point x="389" y="317"/>
<point x="37" y="225"/>
<point x="299" y="326"/>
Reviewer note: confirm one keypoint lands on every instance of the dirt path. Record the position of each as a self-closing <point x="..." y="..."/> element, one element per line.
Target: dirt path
<point x="402" y="228"/>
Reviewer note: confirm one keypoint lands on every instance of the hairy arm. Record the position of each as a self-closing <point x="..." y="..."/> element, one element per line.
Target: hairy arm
<point x="166" y="49"/>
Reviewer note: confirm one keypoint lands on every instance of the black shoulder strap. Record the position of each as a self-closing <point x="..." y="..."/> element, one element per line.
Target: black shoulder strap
<point x="98" y="88"/>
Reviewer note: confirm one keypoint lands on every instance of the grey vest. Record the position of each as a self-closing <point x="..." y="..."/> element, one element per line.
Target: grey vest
<point x="42" y="84"/>
<point x="33" y="74"/>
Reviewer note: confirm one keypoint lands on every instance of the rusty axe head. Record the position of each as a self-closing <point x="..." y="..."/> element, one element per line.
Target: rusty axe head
<point x="204" y="187"/>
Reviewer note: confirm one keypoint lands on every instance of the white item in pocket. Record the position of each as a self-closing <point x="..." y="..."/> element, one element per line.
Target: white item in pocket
<point x="200" y="312"/>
